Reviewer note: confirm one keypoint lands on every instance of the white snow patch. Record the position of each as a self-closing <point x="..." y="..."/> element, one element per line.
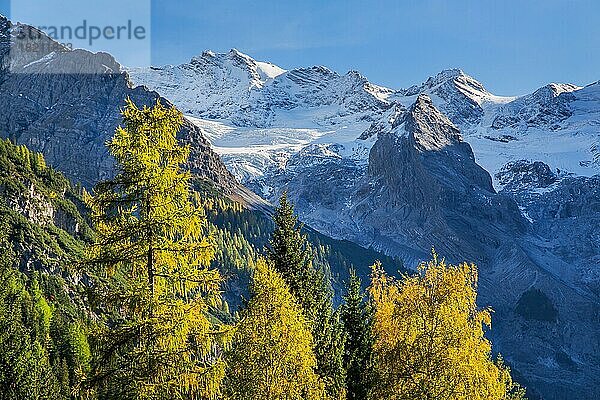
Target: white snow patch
<point x="270" y="70"/>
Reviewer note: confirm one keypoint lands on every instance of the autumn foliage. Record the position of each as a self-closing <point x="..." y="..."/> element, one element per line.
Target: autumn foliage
<point x="429" y="337"/>
<point x="272" y="356"/>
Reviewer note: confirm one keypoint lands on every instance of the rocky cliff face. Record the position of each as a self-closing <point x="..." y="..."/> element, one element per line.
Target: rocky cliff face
<point x="66" y="105"/>
<point x="40" y="211"/>
<point x="564" y="212"/>
<point x="420" y="175"/>
<point x="428" y="172"/>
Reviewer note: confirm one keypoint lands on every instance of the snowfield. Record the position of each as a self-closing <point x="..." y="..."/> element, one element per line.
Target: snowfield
<point x="257" y="115"/>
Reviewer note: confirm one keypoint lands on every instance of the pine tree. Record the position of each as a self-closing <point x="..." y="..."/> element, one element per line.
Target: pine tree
<point x="429" y="338"/>
<point x="150" y="261"/>
<point x="291" y="255"/>
<point x="272" y="352"/>
<point x="356" y="317"/>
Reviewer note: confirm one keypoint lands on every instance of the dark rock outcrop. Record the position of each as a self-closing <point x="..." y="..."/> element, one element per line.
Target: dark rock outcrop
<point x="66" y="104"/>
<point x="524" y="175"/>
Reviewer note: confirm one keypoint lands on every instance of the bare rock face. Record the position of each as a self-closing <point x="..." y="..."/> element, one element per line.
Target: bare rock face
<point x="425" y="176"/>
<point x="565" y="212"/>
<point x="525" y="175"/>
<point x="421" y="188"/>
<point x="66" y="104"/>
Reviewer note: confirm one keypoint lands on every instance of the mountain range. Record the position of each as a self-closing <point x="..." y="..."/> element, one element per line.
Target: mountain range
<point x="510" y="183"/>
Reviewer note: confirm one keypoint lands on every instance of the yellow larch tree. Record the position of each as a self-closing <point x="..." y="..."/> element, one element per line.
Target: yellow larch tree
<point x="272" y="354"/>
<point x="152" y="286"/>
<point x="429" y="339"/>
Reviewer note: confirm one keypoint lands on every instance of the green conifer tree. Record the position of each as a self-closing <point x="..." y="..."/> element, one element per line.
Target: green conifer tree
<point x="291" y="255"/>
<point x="150" y="261"/>
<point x="25" y="369"/>
<point x="356" y="317"/>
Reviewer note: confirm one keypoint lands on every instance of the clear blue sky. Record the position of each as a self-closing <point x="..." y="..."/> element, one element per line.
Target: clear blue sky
<point x="511" y="46"/>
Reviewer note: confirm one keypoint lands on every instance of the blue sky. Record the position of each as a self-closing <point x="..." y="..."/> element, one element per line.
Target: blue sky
<point x="511" y="46"/>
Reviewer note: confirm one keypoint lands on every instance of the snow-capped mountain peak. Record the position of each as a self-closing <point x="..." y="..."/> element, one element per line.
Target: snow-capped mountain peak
<point x="435" y="80"/>
<point x="452" y="80"/>
<point x="235" y="87"/>
<point x="456" y="94"/>
<point x="235" y="61"/>
<point x="281" y="111"/>
<point x="548" y="106"/>
<point x="558" y="88"/>
<point x="212" y="85"/>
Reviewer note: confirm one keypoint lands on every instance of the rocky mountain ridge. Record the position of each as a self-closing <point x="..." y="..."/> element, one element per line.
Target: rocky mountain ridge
<point x="265" y="121"/>
<point x="65" y="104"/>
